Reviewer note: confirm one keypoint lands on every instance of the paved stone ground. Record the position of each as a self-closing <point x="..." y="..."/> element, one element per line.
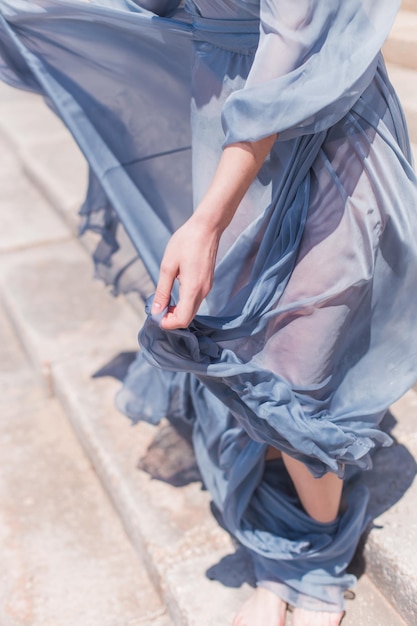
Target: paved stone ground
<point x="66" y="559"/>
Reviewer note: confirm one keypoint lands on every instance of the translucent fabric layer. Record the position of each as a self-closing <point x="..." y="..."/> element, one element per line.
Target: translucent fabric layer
<point x="309" y="333"/>
<point x="313" y="61"/>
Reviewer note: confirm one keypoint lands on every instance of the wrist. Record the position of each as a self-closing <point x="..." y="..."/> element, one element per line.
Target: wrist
<point x="212" y="217"/>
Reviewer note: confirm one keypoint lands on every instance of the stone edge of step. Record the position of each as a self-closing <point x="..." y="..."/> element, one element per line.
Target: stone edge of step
<point x="401" y="46"/>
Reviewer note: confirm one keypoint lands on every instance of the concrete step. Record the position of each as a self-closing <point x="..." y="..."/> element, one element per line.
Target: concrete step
<point x="45" y="149"/>
<point x="74" y="332"/>
<point x="389" y="561"/>
<point x="409" y="5"/>
<point x="66" y="558"/>
<point x="400" y="53"/>
<point x="401" y="46"/>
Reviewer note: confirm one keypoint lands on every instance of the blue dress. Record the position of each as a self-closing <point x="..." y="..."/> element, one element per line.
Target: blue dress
<point x="309" y="332"/>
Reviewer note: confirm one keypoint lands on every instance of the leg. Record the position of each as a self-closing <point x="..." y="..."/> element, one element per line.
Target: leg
<point x="320" y="498"/>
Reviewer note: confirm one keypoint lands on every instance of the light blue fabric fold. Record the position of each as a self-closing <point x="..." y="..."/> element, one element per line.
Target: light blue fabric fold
<point x="309" y="333"/>
<point x="310" y="42"/>
<point x="99" y="107"/>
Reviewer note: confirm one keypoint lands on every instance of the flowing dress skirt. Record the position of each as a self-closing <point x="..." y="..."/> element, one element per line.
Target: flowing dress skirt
<point x="309" y="332"/>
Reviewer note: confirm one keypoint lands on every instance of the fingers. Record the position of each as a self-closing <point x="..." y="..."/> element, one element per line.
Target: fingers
<point x="190" y="298"/>
<point x="182" y="315"/>
<point x="163" y="291"/>
<point x="191" y="295"/>
<point x="190" y="258"/>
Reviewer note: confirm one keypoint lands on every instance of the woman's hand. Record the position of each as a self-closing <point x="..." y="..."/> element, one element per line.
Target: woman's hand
<point x="190" y="256"/>
<point x="191" y="252"/>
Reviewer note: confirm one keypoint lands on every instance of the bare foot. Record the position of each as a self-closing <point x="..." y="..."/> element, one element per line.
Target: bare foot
<point x="263" y="608"/>
<point x="302" y="617"/>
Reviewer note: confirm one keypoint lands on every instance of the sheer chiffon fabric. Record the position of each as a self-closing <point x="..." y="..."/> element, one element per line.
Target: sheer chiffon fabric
<point x="309" y="333"/>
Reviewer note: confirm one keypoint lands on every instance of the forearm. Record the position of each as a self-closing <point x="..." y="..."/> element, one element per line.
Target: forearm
<point x="238" y="166"/>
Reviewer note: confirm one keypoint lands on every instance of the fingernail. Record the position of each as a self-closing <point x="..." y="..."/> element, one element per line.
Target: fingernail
<point x="157" y="312"/>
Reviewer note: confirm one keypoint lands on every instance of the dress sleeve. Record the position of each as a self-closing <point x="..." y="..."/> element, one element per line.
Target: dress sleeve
<point x="313" y="61"/>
